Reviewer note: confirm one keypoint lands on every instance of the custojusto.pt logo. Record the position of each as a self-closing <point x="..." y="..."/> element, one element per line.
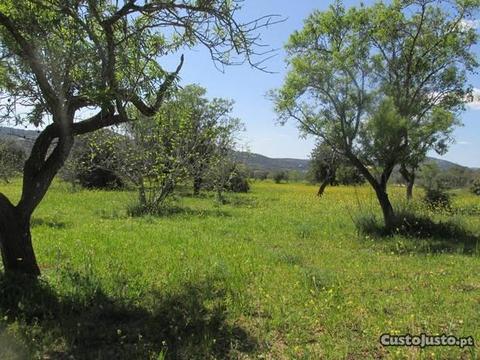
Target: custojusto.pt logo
<point x="424" y="340"/>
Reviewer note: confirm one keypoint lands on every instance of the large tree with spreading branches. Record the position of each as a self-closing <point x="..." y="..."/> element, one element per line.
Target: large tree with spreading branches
<point x="76" y="66"/>
<point x="380" y="85"/>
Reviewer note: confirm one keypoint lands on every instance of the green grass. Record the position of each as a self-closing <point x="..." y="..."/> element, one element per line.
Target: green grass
<point x="274" y="274"/>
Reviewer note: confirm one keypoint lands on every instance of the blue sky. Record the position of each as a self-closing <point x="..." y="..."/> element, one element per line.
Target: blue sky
<point x="248" y="88"/>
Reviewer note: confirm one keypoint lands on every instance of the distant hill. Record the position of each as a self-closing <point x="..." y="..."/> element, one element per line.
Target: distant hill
<point x="25" y="139"/>
<point x="260" y="162"/>
<point x="444" y="164"/>
<point x="18" y="133"/>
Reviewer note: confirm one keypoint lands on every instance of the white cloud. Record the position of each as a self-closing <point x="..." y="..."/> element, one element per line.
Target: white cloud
<point x="474" y="104"/>
<point x="470" y="24"/>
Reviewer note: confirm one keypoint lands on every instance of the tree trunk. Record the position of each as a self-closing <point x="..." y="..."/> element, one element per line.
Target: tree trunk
<point x="142" y="197"/>
<point x="409" y="177"/>
<point x="380" y="189"/>
<point x="197" y="185"/>
<point x="15" y="240"/>
<point x="39" y="170"/>
<point x="410" y="184"/>
<point x="387" y="209"/>
<point x="322" y="188"/>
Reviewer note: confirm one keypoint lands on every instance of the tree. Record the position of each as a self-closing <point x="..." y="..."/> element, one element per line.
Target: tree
<point x="180" y="142"/>
<point x="225" y="174"/>
<point x="323" y="166"/>
<point x="340" y="86"/>
<point x="11" y="159"/>
<point x="279" y="176"/>
<point x="157" y="152"/>
<point x="421" y="61"/>
<point x="330" y="168"/>
<point x="60" y="58"/>
<point x="210" y="120"/>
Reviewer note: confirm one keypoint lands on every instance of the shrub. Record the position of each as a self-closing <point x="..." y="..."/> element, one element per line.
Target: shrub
<point x="280" y="176"/>
<point x="96" y="161"/>
<point x="437" y="198"/>
<point x="475" y="188"/>
<point x="238" y="182"/>
<point x="349" y="175"/>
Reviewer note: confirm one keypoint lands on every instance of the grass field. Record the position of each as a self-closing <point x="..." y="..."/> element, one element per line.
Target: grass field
<point x="274" y="274"/>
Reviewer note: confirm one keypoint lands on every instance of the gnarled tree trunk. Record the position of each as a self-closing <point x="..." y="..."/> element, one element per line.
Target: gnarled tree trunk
<point x="15" y="240"/>
<point x="41" y="167"/>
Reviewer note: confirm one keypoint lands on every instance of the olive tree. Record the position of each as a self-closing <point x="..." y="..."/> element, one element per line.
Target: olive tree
<point x="63" y="60"/>
<point x="341" y="85"/>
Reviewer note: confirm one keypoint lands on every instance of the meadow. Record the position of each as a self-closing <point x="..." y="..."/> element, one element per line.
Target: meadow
<point x="274" y="274"/>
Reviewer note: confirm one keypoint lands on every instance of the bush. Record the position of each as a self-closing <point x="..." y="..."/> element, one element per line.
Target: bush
<point x="349" y="175"/>
<point x="99" y="178"/>
<point x="137" y="209"/>
<point x="238" y="183"/>
<point x="280" y="176"/>
<point x="437" y="199"/>
<point x="96" y="161"/>
<point x="475" y="188"/>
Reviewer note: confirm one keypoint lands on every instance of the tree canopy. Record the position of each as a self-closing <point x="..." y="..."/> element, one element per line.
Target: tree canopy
<point x="381" y="85"/>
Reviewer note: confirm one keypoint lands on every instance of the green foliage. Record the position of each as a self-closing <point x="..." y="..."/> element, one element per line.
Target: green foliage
<point x="455" y="177"/>
<point x="96" y="161"/>
<point x="191" y="137"/>
<point x="349" y="175"/>
<point x="327" y="165"/>
<point x="106" y="53"/>
<point x="475" y="188"/>
<point x="158" y="152"/>
<point x="437" y="199"/>
<point x="436" y="196"/>
<point x="383" y="134"/>
<point x="280" y="176"/>
<point x="238" y="180"/>
<point x="380" y="96"/>
<point x="295" y="175"/>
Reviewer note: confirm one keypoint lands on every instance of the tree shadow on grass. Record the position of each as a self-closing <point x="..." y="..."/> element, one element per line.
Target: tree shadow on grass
<point x="422" y="235"/>
<point x="188" y="324"/>
<point x="49" y="223"/>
